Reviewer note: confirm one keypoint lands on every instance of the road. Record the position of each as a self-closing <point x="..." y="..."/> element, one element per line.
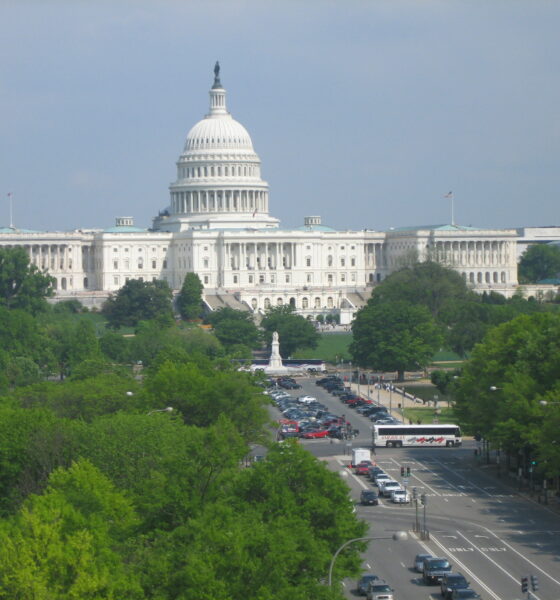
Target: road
<point x="489" y="532"/>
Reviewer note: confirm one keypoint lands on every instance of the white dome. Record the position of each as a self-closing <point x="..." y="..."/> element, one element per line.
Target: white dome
<point x="218" y="132"/>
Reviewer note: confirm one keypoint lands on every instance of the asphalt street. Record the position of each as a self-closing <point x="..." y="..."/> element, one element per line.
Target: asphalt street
<point x="489" y="532"/>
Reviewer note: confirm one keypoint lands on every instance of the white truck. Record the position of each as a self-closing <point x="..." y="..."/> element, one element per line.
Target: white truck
<point x="360" y="454"/>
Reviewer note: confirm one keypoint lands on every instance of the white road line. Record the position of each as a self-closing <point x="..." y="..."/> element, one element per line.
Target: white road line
<point x="350" y="474"/>
<point x="462" y="477"/>
<point x="422" y="481"/>
<point x="522" y="556"/>
<point x="485" y="554"/>
<point x="462" y="565"/>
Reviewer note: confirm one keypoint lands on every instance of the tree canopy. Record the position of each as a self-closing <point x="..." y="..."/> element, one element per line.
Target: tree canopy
<point x="234" y="327"/>
<point x="138" y="301"/>
<point x="394" y="336"/>
<point x="189" y="299"/>
<point x="539" y="261"/>
<point x="295" y="331"/>
<point x="22" y="285"/>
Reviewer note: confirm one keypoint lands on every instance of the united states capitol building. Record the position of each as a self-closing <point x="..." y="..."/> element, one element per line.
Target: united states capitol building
<point x="218" y="225"/>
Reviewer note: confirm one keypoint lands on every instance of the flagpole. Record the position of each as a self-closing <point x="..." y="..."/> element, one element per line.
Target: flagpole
<point x="452" y="209"/>
<point x="11" y="211"/>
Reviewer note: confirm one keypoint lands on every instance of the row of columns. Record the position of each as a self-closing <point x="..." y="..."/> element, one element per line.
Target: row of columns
<point x="204" y="201"/>
<point x="473" y="253"/>
<point x="258" y="256"/>
<point x="53" y="257"/>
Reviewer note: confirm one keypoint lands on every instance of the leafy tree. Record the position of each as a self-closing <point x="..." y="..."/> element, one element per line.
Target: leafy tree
<point x="137" y="301"/>
<point x="394" y="336"/>
<point x="202" y="395"/>
<point x="189" y="300"/>
<point x="70" y="542"/>
<point x="234" y="327"/>
<point x="428" y="283"/>
<point x="539" y="261"/>
<point x="293" y="330"/>
<point x="114" y="346"/>
<point x="507" y="375"/>
<point x="22" y="285"/>
<point x="445" y="380"/>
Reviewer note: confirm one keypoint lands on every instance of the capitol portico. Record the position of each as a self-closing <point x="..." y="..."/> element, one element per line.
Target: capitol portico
<point x="217" y="224"/>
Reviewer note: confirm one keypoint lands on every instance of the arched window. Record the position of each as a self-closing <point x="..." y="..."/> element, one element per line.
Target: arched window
<point x="86" y="283"/>
<point x="254" y="303"/>
<point x="329" y="260"/>
<point x="371" y="277"/>
<point x="479" y="277"/>
<point x="305" y="303"/>
<point x="503" y="277"/>
<point x="279" y="301"/>
<point x="317" y="302"/>
<point x="487" y="276"/>
<point x="293" y="302"/>
<point x="495" y="276"/>
<point x="63" y="283"/>
<point x="267" y="302"/>
<point x="471" y="277"/>
<point x="330" y="303"/>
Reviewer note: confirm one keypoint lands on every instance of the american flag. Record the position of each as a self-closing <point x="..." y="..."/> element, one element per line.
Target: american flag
<point x="449" y="195"/>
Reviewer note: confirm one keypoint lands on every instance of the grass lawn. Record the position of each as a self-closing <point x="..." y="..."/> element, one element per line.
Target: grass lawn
<point x="332" y="348"/>
<point x="427" y="415"/>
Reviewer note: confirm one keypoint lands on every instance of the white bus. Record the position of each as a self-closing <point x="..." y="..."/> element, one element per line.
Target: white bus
<point x="397" y="436"/>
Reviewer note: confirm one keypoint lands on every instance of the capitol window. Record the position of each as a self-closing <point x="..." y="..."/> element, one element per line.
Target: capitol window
<point x="342" y="262"/>
<point x="165" y="264"/>
<point x="342" y="277"/>
<point x="206" y="280"/>
<point x="329" y="261"/>
<point x="153" y="264"/>
<point x="250" y="279"/>
<point x="287" y="278"/>
<point x="115" y="264"/>
<point x="308" y="261"/>
<point x="353" y="262"/>
<point x="140" y="264"/>
<point x="235" y="278"/>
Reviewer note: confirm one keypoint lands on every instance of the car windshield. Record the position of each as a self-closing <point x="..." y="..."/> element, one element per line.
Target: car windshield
<point x="381" y="588"/>
<point x="366" y="578"/>
<point x="456" y="579"/>
<point x="439" y="564"/>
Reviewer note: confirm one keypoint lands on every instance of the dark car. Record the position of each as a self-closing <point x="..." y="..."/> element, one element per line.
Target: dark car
<point x="465" y="594"/>
<point x="364" y="582"/>
<point x="452" y="581"/>
<point x="337" y="432"/>
<point x="434" y="569"/>
<point x="369" y="498"/>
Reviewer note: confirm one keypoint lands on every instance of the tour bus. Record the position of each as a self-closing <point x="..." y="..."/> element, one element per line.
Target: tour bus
<point x="397" y="436"/>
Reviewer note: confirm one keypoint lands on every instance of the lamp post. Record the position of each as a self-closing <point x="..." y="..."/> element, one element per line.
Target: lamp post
<point x="397" y="537"/>
<point x="390" y="397"/>
<point x="167" y="409"/>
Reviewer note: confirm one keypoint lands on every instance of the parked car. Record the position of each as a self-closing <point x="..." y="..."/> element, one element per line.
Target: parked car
<point x="465" y="594"/>
<point x="434" y="569"/>
<point x="452" y="581"/>
<point x="369" y="498"/>
<point x="379" y="590"/>
<point x="316" y="434"/>
<point x="419" y="562"/>
<point x="364" y="582"/>
<point x="336" y="431"/>
<point x="374" y="470"/>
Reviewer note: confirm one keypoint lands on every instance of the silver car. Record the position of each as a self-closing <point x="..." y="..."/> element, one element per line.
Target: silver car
<point x="419" y="562"/>
<point x="379" y="590"/>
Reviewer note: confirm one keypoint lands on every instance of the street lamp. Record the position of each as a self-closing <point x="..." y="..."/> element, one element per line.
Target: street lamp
<point x="546" y="402"/>
<point x="398" y="536"/>
<point x="167" y="409"/>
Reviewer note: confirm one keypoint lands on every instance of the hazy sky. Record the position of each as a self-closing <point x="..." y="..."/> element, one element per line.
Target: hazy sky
<point x="364" y="112"/>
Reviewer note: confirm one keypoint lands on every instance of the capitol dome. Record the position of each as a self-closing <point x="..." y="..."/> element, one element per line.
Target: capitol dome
<point x="218" y="181"/>
<point x="218" y="133"/>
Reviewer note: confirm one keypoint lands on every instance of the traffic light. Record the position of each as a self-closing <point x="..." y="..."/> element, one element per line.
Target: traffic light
<point x="423" y="499"/>
<point x="408" y="471"/>
<point x="402" y="471"/>
<point x="524" y="584"/>
<point x="534" y="583"/>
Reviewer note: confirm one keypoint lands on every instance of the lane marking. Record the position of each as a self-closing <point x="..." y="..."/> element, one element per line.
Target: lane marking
<point x="421" y="480"/>
<point x="522" y="556"/>
<point x="462" y="565"/>
<point x="485" y="554"/>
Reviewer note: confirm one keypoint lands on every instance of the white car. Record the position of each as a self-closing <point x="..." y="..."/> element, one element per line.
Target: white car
<point x="306" y="399"/>
<point x="387" y="487"/>
<point x="400" y="497"/>
<point x="381" y="477"/>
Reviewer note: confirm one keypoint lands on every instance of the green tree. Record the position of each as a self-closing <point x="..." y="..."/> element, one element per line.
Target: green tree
<point x="395" y="336"/>
<point x="137" y="301"/>
<point x="234" y="327"/>
<point x="429" y="284"/>
<point x="22" y="285"/>
<point x="70" y="542"/>
<point x="539" y="261"/>
<point x="507" y="375"/>
<point x="189" y="300"/>
<point x="294" y="331"/>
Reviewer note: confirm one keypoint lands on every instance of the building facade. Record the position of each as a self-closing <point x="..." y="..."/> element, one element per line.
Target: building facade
<point x="217" y="224"/>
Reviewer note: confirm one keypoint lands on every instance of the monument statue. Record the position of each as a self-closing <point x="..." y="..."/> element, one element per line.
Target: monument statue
<point x="275" y="361"/>
<point x="217" y="75"/>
